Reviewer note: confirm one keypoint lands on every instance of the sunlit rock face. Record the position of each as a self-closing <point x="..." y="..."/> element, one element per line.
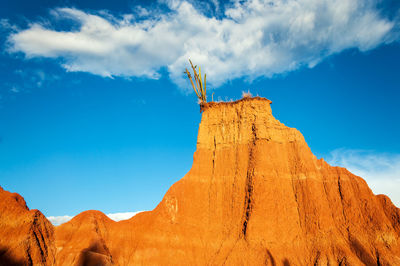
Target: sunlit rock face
<point x="255" y="195"/>
<point x="26" y="236"/>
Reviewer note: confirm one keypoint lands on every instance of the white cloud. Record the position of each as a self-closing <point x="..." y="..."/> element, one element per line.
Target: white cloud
<point x="57" y="220"/>
<point x="119" y="216"/>
<point x="254" y="38"/>
<point x="380" y="170"/>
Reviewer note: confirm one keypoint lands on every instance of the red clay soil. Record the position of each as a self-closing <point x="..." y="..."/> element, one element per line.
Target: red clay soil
<point x="255" y="195"/>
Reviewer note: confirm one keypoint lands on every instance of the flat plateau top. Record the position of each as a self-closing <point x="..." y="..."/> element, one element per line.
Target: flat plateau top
<point x="205" y="106"/>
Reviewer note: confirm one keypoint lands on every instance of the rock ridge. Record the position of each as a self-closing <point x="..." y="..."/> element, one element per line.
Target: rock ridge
<point x="26" y="236"/>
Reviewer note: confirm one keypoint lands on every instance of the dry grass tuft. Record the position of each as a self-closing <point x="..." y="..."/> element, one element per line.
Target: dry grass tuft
<point x="247" y="94"/>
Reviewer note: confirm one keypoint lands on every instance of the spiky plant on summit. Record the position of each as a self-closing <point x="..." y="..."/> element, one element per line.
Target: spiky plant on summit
<point x="198" y="85"/>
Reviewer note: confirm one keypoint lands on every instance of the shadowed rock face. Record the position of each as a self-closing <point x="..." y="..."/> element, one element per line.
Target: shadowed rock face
<point x="255" y="195"/>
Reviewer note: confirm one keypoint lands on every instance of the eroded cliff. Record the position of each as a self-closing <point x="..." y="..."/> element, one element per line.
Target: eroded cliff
<point x="255" y="195"/>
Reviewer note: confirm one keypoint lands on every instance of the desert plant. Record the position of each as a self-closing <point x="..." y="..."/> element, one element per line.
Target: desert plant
<point x="198" y="85"/>
<point x="246" y="94"/>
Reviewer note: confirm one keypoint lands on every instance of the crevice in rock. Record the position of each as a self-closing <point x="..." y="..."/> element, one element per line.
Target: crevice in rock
<point x="378" y="261"/>
<point x="213" y="158"/>
<point x="39" y="240"/>
<point x="341" y="198"/>
<point x="340" y="189"/>
<point x="269" y="258"/>
<point x="248" y="202"/>
<point x="342" y="261"/>
<point x="42" y="256"/>
<point x="28" y="253"/>
<point x="212" y="176"/>
<point x="316" y="260"/>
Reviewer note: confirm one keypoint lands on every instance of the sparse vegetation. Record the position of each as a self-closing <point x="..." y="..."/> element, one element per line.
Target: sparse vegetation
<point x="246" y="94"/>
<point x="199" y="86"/>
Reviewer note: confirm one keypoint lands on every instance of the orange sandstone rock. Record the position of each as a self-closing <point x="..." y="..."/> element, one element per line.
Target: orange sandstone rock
<point x="255" y="195"/>
<point x="84" y="235"/>
<point x="26" y="236"/>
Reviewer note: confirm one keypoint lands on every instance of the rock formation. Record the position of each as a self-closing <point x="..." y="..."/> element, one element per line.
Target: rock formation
<point x="255" y="195"/>
<point x="26" y="236"/>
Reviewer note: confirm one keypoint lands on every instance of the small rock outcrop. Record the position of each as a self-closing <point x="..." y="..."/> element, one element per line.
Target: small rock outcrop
<point x="26" y="236"/>
<point x="84" y="235"/>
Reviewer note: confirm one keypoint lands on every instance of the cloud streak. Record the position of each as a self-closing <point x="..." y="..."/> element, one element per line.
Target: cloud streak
<point x="380" y="170"/>
<point x="119" y="216"/>
<point x="57" y="220"/>
<point x="252" y="39"/>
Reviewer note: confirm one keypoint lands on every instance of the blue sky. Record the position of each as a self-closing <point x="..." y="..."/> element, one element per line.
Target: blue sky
<point x="95" y="112"/>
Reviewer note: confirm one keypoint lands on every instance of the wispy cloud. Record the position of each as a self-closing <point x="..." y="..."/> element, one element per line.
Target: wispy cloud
<point x="27" y="80"/>
<point x="57" y="220"/>
<point x="5" y="25"/>
<point x="251" y="39"/>
<point x="380" y="170"/>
